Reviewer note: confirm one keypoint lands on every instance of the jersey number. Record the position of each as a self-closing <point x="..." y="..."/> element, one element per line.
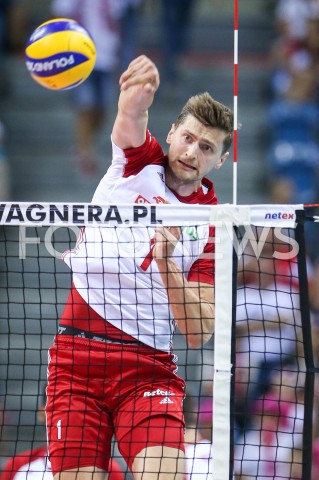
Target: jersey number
<point x="59" y="427"/>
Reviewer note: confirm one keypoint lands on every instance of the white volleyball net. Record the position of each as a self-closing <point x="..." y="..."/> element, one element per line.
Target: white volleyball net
<point x="249" y="395"/>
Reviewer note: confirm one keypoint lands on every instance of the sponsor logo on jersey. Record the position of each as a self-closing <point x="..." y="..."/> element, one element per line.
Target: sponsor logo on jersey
<point x="161" y="175"/>
<point x="158" y="199"/>
<point x="191" y="232"/>
<point x="141" y="199"/>
<point x="165" y="401"/>
<point x="158" y="392"/>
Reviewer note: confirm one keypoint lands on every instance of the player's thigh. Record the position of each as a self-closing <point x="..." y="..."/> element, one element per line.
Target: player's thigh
<point x="159" y="431"/>
<point x="83" y="473"/>
<point x="159" y="463"/>
<point x="79" y="428"/>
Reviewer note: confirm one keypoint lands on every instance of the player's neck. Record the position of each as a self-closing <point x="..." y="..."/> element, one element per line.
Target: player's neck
<point x="181" y="187"/>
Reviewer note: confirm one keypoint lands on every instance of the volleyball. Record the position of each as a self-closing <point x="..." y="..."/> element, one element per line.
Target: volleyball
<point x="60" y="54"/>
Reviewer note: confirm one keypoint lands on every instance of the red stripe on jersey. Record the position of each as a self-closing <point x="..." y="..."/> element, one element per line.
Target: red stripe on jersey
<point x="203" y="269"/>
<point x="200" y="197"/>
<point x="139" y="157"/>
<point x="78" y="314"/>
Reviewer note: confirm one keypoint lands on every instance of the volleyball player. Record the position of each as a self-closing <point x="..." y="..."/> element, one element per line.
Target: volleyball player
<point x="111" y="369"/>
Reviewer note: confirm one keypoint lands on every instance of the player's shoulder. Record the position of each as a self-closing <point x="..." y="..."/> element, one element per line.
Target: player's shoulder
<point x="151" y="147"/>
<point x="138" y="158"/>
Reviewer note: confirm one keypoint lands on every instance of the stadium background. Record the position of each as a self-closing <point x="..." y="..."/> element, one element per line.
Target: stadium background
<point x="38" y="136"/>
<point x="39" y="122"/>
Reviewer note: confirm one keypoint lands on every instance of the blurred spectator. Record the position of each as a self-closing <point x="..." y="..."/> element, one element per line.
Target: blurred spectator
<point x="266" y="450"/>
<point x="205" y="418"/>
<point x="268" y="320"/>
<point x="294" y="46"/>
<point x="176" y="18"/>
<point x="13" y="23"/>
<point x="2" y="436"/>
<point x="12" y="40"/>
<point x="35" y="465"/>
<point x="293" y="115"/>
<point x="5" y="190"/>
<point x="312" y="40"/>
<point x="30" y="463"/>
<point x="198" y="454"/>
<point x="91" y="99"/>
<point x="128" y="17"/>
<point x="315" y="465"/>
<point x="292" y="17"/>
<point x="198" y="440"/>
<point x="293" y="155"/>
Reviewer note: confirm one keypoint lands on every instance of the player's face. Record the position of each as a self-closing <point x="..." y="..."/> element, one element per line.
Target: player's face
<point x="194" y="150"/>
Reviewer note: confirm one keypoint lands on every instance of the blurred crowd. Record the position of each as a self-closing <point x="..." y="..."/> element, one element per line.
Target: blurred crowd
<point x="269" y="404"/>
<point x="293" y="113"/>
<point x="269" y="390"/>
<point x="113" y="25"/>
<point x="12" y="39"/>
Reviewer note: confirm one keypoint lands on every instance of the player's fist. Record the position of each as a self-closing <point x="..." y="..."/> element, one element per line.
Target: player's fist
<point x="165" y="241"/>
<point x="141" y="71"/>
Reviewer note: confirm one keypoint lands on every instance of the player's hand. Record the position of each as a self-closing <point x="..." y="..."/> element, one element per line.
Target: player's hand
<point x="165" y="241"/>
<point x="138" y="85"/>
<point x="141" y="71"/>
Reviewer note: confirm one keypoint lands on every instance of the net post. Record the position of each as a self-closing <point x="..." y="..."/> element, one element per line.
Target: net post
<point x="233" y="354"/>
<point x="222" y="351"/>
<point x="307" y="346"/>
<point x="235" y="101"/>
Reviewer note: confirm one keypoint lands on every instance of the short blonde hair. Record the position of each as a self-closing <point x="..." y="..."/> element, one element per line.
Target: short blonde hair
<point x="211" y="114"/>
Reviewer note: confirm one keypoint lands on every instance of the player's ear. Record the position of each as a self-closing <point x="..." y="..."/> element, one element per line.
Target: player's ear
<point x="222" y="160"/>
<point x="170" y="133"/>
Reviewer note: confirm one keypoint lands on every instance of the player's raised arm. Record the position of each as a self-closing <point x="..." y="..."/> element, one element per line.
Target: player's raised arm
<point x="138" y="85"/>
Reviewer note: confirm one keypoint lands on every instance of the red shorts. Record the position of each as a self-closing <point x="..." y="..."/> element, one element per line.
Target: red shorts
<point x="96" y="390"/>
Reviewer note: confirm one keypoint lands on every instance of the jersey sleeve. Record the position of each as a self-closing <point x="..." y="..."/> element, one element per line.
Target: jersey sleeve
<point x="203" y="269"/>
<point x="133" y="160"/>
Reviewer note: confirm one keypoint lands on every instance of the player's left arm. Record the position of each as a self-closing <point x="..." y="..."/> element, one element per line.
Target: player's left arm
<point x="139" y="84"/>
<point x="191" y="303"/>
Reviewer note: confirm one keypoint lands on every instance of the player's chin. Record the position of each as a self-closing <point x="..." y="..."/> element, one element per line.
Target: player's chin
<point x="191" y="176"/>
<point x="185" y="175"/>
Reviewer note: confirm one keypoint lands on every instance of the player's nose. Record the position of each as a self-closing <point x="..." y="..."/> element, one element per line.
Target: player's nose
<point x="192" y="151"/>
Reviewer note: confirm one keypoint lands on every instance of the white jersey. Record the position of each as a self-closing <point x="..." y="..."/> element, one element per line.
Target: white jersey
<point x="108" y="264"/>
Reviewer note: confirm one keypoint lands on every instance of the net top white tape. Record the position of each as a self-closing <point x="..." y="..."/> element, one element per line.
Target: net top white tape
<point x="80" y="214"/>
